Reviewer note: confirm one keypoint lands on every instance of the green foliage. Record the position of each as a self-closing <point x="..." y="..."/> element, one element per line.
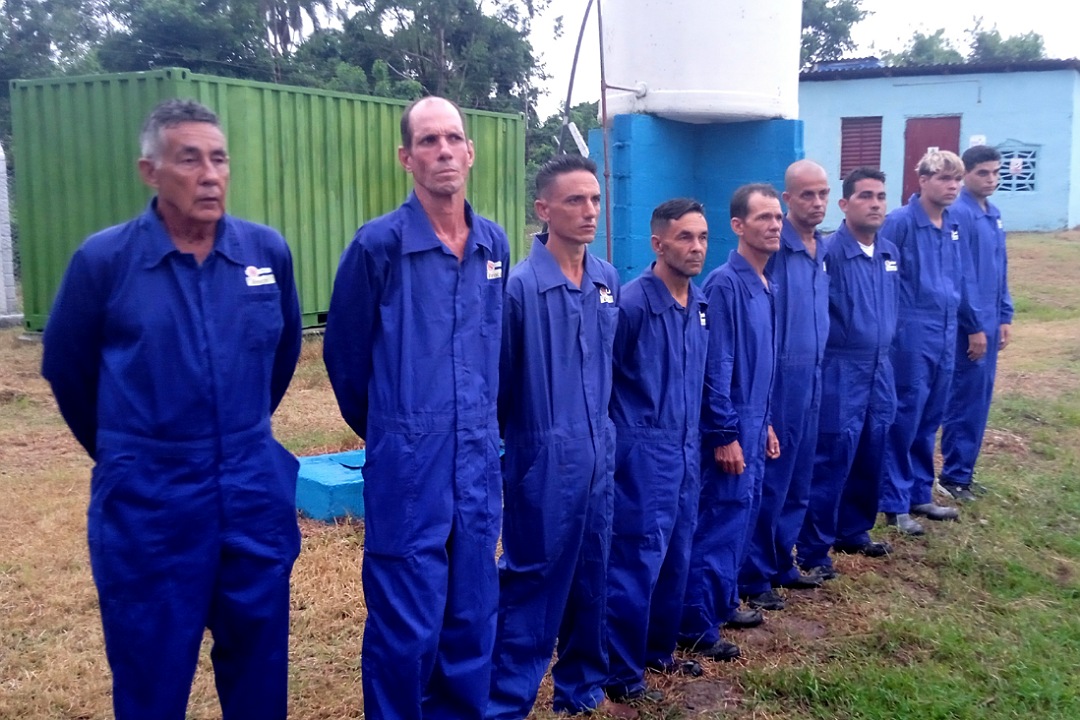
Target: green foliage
<point x="989" y="46"/>
<point x="983" y="46"/>
<point x="826" y="28"/>
<point x="923" y="49"/>
<point x="205" y="36"/>
<point x="542" y="142"/>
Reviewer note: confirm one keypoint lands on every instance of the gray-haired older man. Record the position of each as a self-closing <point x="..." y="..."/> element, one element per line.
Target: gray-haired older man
<point x="171" y="341"/>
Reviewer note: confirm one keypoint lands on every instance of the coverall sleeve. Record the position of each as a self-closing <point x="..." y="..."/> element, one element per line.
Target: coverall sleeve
<point x="719" y="422"/>
<point x="288" y="348"/>
<point x="351" y="323"/>
<point x="967" y="315"/>
<point x="72" y="347"/>
<point x="510" y="354"/>
<point x="1006" y="309"/>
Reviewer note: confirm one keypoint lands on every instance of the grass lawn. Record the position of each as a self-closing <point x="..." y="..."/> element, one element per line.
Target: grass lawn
<point x="980" y="619"/>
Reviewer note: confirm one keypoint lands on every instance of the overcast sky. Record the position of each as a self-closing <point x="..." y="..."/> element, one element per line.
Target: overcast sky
<point x="889" y="27"/>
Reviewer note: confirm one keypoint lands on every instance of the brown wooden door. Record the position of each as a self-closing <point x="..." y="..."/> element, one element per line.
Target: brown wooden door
<point x="920" y="135"/>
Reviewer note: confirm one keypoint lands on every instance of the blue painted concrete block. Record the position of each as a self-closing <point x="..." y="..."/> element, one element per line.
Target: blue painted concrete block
<point x="654" y="159"/>
<point x="331" y="486"/>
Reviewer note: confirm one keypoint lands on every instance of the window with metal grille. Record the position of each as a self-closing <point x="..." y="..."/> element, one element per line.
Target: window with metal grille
<point x="1019" y="163"/>
<point x="860" y="143"/>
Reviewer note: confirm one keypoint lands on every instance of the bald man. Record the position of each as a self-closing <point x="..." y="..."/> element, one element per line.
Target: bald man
<point x="801" y="328"/>
<point x="412" y="350"/>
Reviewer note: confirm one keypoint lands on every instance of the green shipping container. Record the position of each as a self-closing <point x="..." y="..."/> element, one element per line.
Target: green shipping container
<point x="313" y="164"/>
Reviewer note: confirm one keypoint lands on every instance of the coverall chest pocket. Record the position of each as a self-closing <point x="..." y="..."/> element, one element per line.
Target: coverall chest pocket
<point x="609" y="320"/>
<point x="490" y="311"/>
<point x="260" y="318"/>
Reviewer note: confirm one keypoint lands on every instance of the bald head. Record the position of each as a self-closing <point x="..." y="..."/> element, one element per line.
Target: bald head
<point x="430" y="100"/>
<point x="806" y="194"/>
<point x="801" y="171"/>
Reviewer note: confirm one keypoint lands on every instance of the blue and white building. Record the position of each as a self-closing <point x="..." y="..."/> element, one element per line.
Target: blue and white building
<point x="860" y="113"/>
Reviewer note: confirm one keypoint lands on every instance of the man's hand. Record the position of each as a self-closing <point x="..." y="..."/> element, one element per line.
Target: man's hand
<point x="729" y="458"/>
<point x="976" y="346"/>
<point x="772" y="445"/>
<point x="1006" y="335"/>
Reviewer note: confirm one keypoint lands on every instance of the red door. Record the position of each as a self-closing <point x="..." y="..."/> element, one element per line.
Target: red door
<point x="920" y="135"/>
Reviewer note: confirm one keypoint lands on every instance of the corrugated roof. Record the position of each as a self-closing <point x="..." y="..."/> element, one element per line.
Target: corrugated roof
<point x="841" y="73"/>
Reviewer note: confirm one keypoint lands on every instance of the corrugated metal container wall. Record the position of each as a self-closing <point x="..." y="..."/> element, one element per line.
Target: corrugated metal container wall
<point x="311" y="163"/>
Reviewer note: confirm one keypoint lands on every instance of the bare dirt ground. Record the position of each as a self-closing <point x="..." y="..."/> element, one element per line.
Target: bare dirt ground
<point x="52" y="662"/>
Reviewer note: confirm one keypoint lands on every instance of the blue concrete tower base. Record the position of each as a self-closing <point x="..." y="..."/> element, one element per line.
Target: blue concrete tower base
<point x="331" y="486"/>
<point x="653" y="160"/>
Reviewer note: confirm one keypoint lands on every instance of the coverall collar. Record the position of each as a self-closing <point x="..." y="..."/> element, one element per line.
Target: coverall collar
<point x="746" y="272"/>
<point x="421" y="236"/>
<point x="792" y="240"/>
<point x="160" y="242"/>
<point x="659" y="298"/>
<point x="921" y="218"/>
<point x="852" y="247"/>
<point x="548" y="273"/>
<point x="968" y="199"/>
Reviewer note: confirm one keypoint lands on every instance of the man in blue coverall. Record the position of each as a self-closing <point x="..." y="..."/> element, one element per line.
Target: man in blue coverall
<point x="736" y="435"/>
<point x="981" y="335"/>
<point x="801" y="299"/>
<point x="656" y="407"/>
<point x="928" y="239"/>
<point x="561" y="313"/>
<point x="412" y="351"/>
<point x="172" y="340"/>
<point x="858" y="402"/>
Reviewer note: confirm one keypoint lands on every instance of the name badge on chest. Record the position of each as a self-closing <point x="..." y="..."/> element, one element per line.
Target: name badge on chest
<point x="494" y="269"/>
<point x="255" y="276"/>
<point x="605" y="295"/>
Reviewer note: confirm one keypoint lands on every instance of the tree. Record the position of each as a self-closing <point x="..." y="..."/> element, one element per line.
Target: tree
<point x="542" y="141"/>
<point x="989" y="46"/>
<point x="826" y="28"/>
<point x="921" y="49"/>
<point x="450" y="48"/>
<point x="206" y="36"/>
<point x="984" y="46"/>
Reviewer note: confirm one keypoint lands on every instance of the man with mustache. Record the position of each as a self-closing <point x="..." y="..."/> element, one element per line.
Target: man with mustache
<point x="858" y="402"/>
<point x="802" y="326"/>
<point x="736" y="434"/>
<point x="656" y="407"/>
<point x="171" y="342"/>
<point x="412" y="351"/>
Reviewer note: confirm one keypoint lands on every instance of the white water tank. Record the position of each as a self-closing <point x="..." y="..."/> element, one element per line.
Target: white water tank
<point x="703" y="60"/>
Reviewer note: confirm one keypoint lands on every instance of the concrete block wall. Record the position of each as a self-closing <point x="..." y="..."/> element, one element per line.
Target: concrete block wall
<point x="653" y="159"/>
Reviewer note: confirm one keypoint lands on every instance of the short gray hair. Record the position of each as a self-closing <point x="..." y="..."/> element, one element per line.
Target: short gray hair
<point x="167" y="114"/>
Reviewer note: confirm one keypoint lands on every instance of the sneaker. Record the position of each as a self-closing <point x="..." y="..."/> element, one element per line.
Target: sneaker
<point x="825" y="572"/>
<point x="904" y="523"/>
<point x="870" y="549"/>
<point x="805" y="581"/>
<point x="933" y="511"/>
<point x="958" y="492"/>
<point x="768" y="600"/>
<point x="745" y="619"/>
<point x="721" y="650"/>
<point x="690" y="668"/>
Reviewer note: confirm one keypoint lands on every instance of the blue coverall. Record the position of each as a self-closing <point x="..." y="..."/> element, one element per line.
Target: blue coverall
<point x="167" y="371"/>
<point x="659" y="373"/>
<point x="802" y="326"/>
<point x="738" y="384"/>
<point x="858" y="402"/>
<point x="982" y="235"/>
<point x="557" y="482"/>
<point x="412" y="350"/>
<point x="923" y="350"/>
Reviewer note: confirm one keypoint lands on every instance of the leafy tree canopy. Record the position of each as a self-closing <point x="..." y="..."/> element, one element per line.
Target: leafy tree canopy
<point x="826" y="28"/>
